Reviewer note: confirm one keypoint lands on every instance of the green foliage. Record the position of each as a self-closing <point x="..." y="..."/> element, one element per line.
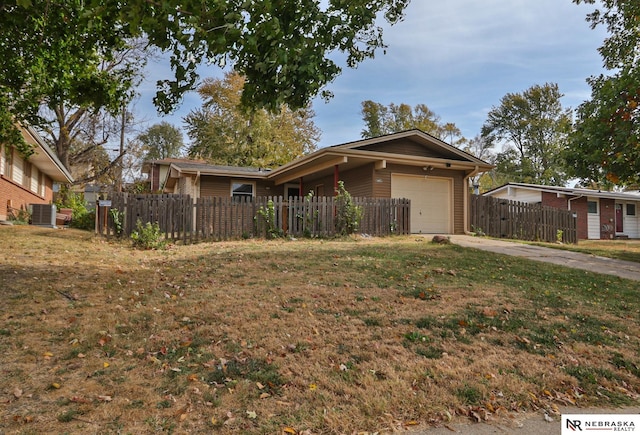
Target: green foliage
<point x="310" y="218"/>
<point x="81" y="218"/>
<point x="380" y="120"/>
<point x="147" y="236"/>
<point x="605" y="147"/>
<point x="223" y="133"/>
<point x="284" y="48"/>
<point x="118" y="220"/>
<point x="161" y="141"/>
<point x="532" y="128"/>
<point x="268" y="215"/>
<point x="348" y="215"/>
<point x="84" y="221"/>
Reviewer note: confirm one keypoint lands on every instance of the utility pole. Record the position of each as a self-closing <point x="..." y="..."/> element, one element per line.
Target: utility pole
<point x="120" y="163"/>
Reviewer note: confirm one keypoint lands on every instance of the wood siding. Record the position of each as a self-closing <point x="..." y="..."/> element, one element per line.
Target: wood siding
<point x="411" y="148"/>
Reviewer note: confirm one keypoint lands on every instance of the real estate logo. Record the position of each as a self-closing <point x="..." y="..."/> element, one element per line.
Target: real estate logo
<point x="575" y="423"/>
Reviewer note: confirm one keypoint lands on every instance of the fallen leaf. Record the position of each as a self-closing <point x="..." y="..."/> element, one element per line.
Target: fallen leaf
<point x="260" y="386"/>
<point x="55" y="385"/>
<point x="192" y="377"/>
<point x="17" y="393"/>
<point x="265" y="395"/>
<point x="105" y="398"/>
<point x="47" y="355"/>
<point x="252" y="415"/>
<point x="289" y="430"/>
<point x="105" y="364"/>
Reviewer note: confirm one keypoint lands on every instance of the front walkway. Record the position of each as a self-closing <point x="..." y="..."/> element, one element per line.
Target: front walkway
<point x="592" y="263"/>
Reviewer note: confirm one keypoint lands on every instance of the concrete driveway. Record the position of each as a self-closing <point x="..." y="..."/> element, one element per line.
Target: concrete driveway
<point x="592" y="263"/>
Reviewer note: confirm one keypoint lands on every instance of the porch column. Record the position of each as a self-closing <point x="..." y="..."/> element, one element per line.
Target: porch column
<point x="300" y="188"/>
<point x="336" y="177"/>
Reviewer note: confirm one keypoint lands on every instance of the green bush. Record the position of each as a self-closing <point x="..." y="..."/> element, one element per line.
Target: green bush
<point x="85" y="221"/>
<point x="348" y="215"/>
<point x="81" y="217"/>
<point x="147" y="236"/>
<point x="268" y="215"/>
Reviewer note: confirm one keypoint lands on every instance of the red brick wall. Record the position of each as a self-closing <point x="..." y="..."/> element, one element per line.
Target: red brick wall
<point x="553" y="200"/>
<point x="20" y="197"/>
<point x="578" y="205"/>
<point x="607" y="218"/>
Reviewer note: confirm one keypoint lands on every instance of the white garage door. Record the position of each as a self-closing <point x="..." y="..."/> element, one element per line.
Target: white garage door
<point x="431" y="202"/>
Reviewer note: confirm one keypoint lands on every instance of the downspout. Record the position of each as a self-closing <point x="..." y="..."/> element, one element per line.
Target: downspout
<point x="569" y="201"/>
<point x="473" y="173"/>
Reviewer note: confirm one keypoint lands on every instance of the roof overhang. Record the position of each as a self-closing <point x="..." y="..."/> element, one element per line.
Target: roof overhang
<point x="350" y="155"/>
<point x="568" y="191"/>
<point x="44" y="158"/>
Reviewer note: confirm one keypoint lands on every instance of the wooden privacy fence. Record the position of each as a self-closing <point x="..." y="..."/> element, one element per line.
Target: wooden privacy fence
<point x="219" y="218"/>
<point x="502" y="218"/>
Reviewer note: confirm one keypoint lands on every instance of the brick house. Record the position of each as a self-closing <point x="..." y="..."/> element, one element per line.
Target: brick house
<point x="600" y="215"/>
<point x="28" y="181"/>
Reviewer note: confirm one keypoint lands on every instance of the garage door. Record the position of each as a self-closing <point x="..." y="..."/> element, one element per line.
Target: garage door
<point x="431" y="201"/>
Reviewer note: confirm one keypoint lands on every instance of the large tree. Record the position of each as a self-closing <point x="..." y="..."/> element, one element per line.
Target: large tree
<point x="161" y="141"/>
<point x="222" y="132"/>
<point x="285" y="49"/>
<point x="605" y="147"/>
<point x="532" y="128"/>
<point x="380" y="120"/>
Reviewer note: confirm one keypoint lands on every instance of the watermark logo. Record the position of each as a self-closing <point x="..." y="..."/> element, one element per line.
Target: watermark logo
<point x="600" y="423"/>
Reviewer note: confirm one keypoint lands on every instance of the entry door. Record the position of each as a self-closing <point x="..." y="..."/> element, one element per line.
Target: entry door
<point x="619" y="219"/>
<point x="593" y="218"/>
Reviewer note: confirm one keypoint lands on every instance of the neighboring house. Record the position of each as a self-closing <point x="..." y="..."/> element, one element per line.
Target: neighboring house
<point x="600" y="215"/>
<point x="28" y="181"/>
<point x="411" y="164"/>
<point x="156" y="171"/>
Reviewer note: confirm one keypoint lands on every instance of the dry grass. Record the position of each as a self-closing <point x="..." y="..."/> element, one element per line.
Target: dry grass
<point x="298" y="336"/>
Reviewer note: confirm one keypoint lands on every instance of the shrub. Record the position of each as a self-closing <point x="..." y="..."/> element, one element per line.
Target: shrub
<point x="268" y="215"/>
<point x="84" y="221"/>
<point x="147" y="236"/>
<point x="348" y="215"/>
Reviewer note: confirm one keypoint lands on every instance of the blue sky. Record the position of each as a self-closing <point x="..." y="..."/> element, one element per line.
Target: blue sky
<point x="459" y="57"/>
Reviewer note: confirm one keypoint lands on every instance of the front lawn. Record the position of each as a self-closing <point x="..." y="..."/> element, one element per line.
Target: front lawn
<point x="299" y="337"/>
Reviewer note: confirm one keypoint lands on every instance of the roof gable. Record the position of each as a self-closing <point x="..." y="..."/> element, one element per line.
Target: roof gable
<point x="412" y="143"/>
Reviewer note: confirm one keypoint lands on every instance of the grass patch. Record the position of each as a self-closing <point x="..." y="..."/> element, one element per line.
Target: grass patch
<point x="325" y="336"/>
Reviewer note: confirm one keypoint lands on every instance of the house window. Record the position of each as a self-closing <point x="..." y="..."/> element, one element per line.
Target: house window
<point x="631" y="209"/>
<point x="242" y="189"/>
<point x="8" y="162"/>
<point x="592" y="207"/>
<point x="26" y="175"/>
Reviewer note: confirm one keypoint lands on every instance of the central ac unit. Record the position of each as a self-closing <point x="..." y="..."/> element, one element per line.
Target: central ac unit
<point x="43" y="215"/>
